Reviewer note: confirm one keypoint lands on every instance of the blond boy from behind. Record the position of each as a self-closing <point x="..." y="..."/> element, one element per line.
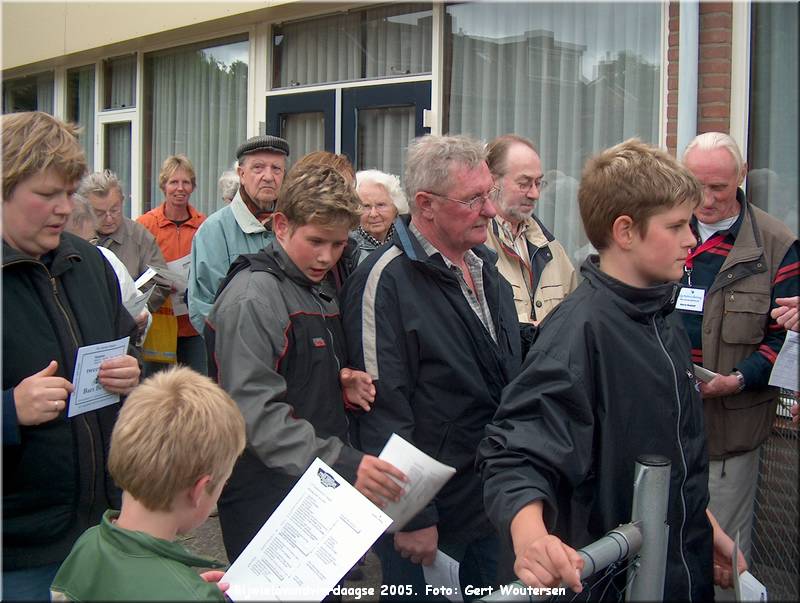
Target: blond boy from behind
<point x="172" y="449"/>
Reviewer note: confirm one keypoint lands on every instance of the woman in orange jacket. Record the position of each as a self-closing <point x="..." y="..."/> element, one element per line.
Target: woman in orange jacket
<point x="174" y="224"/>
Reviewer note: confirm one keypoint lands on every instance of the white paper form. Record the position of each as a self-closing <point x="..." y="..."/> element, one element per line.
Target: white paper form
<point x="443" y="574"/>
<point x="88" y="393"/>
<point x="136" y="305"/>
<point x="318" y="532"/>
<point x="745" y="585"/>
<point x="785" y="371"/>
<point x="145" y="277"/>
<point x="426" y="476"/>
<point x="180" y="280"/>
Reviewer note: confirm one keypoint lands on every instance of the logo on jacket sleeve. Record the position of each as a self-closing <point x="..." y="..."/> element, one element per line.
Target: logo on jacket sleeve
<point x="318" y="342"/>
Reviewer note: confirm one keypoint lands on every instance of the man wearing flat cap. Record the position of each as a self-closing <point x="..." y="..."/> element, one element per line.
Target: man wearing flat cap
<point x="240" y="227"/>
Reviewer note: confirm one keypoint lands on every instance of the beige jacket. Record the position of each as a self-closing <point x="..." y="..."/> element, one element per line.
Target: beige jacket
<point x="550" y="275"/>
<point x="735" y="319"/>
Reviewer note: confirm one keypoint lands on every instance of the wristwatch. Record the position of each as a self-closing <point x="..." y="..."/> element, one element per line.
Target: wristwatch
<point x="740" y="378"/>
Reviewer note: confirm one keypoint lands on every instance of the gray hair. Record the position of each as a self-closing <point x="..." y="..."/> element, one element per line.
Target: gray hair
<point x="429" y="158"/>
<point x="388" y="181"/>
<point x="716" y="140"/>
<point x="82" y="213"/>
<point x="99" y="183"/>
<point x="228" y="184"/>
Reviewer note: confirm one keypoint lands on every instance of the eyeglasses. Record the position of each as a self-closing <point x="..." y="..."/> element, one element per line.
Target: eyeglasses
<point x="378" y="207"/>
<point x="114" y="212"/>
<point x="526" y="186"/>
<point x="476" y="201"/>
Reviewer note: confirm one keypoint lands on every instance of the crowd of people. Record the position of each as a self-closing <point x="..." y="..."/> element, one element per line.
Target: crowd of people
<point x="322" y="310"/>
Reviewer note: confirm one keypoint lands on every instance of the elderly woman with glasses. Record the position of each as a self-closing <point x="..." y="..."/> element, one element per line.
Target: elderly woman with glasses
<point x="382" y="199"/>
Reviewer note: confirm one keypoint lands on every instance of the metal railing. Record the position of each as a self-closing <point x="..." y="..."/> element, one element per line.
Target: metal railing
<point x="643" y="542"/>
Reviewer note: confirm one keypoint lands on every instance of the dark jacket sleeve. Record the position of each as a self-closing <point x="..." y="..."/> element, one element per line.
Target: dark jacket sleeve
<point x="10" y="426"/>
<point x="539" y="444"/>
<point x="395" y="369"/>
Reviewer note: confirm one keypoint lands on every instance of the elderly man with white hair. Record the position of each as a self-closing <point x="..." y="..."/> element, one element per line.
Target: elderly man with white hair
<point x="744" y="260"/>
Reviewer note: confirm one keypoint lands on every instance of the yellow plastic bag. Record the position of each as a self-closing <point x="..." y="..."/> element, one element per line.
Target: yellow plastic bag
<point x="161" y="344"/>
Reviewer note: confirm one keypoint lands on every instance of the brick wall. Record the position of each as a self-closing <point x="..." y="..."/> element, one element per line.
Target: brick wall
<point x="714" y="69"/>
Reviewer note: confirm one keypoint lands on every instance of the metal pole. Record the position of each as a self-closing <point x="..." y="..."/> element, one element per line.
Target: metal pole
<point x="650" y="497"/>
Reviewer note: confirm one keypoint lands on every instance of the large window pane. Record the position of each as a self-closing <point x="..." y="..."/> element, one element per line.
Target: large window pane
<point x="117" y="157"/>
<point x="305" y="132"/>
<point x="80" y="106"/>
<point x="119" y="82"/>
<point x="575" y="78"/>
<point x="195" y="104"/>
<point x="378" y="42"/>
<point x="773" y="146"/>
<point x="383" y="135"/>
<point x="31" y="93"/>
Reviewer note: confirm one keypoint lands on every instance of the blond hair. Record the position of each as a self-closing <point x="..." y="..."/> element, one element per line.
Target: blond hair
<point x="175" y="427"/>
<point x="632" y="179"/>
<point x="172" y="164"/>
<point x="319" y="194"/>
<point x="34" y="142"/>
<point x="339" y="162"/>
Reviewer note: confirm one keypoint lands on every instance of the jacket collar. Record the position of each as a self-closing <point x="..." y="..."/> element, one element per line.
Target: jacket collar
<point x="404" y="239"/>
<point x="640" y="303"/>
<point x="194" y="221"/>
<point x="535" y="232"/>
<point x="61" y="258"/>
<point x="244" y="217"/>
<point x="120" y="234"/>
<point x="274" y="259"/>
<point x="126" y="540"/>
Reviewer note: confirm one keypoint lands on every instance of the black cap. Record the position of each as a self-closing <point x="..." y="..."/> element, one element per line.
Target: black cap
<point x="267" y="142"/>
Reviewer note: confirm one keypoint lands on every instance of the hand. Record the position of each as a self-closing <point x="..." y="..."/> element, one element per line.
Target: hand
<point x="547" y="562"/>
<point x="795" y="410"/>
<point x="141" y="321"/>
<point x="723" y="555"/>
<point x="42" y="396"/>
<point x="721" y="385"/>
<point x="214" y="576"/>
<point x="418" y="546"/>
<point x="119" y="375"/>
<point x="373" y="480"/>
<point x="786" y="314"/>
<point x="358" y="389"/>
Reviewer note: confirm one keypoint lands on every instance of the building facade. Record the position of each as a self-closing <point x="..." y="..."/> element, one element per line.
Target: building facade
<point x="146" y="80"/>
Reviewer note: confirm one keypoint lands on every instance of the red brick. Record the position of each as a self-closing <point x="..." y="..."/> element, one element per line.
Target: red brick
<point x="674" y="39"/>
<point x="674" y="9"/>
<point x="672" y="126"/>
<point x="672" y="97"/>
<point x="715" y="81"/>
<point x="672" y="55"/>
<point x="674" y="23"/>
<point x="672" y="142"/>
<point x="672" y="112"/>
<point x="672" y="69"/>
<point x="715" y="36"/>
<point x="715" y="7"/>
<point x="672" y="83"/>
<point x="716" y="21"/>
<point x="709" y="125"/>
<point x="715" y="111"/>
<point x="715" y="52"/>
<point x="713" y="95"/>
<point x="714" y="66"/>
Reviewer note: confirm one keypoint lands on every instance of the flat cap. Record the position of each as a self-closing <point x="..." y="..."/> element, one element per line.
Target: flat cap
<point x="267" y="142"/>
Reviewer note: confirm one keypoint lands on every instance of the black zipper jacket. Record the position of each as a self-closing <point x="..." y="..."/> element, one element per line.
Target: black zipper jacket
<point x="608" y="378"/>
<point x="55" y="484"/>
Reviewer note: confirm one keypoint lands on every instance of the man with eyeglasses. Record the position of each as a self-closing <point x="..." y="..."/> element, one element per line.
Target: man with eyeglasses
<point x="528" y="255"/>
<point x="131" y="242"/>
<point x="429" y="317"/>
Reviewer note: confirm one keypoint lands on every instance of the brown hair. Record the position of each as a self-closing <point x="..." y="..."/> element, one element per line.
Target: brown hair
<point x="175" y="427"/>
<point x="325" y="158"/>
<point x="632" y="179"/>
<point x="34" y="142"/>
<point x="497" y="151"/>
<point x="320" y="194"/>
<point x="172" y="164"/>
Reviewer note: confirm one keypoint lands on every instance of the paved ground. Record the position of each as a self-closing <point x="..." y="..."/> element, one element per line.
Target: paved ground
<point x="207" y="542"/>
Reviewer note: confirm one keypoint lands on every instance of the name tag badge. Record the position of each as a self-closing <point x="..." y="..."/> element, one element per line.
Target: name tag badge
<point x="691" y="299"/>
